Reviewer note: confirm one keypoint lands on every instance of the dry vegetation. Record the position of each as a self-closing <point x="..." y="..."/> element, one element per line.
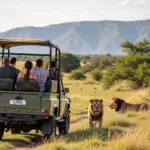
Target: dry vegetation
<point x="129" y="131"/>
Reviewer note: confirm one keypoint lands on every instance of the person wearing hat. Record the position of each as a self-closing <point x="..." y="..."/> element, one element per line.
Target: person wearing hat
<point x="7" y="71"/>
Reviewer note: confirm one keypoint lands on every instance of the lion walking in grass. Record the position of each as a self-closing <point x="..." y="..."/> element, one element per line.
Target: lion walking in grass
<point x="95" y="113"/>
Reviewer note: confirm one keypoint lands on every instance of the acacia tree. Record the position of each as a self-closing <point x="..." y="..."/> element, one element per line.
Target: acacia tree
<point x="141" y="47"/>
<point x="135" y="66"/>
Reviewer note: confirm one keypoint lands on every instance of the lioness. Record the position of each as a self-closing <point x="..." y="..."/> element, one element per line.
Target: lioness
<point x="95" y="112"/>
<point x="121" y="106"/>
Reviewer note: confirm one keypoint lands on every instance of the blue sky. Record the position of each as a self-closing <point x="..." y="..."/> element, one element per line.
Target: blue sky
<point x="18" y="13"/>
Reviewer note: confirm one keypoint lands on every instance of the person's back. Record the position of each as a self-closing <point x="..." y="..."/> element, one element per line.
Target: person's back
<point x="41" y="74"/>
<point x="13" y="61"/>
<point x="27" y="74"/>
<point x="7" y="71"/>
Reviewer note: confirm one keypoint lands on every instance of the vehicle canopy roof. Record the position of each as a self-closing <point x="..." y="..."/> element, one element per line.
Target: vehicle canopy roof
<point x="12" y="42"/>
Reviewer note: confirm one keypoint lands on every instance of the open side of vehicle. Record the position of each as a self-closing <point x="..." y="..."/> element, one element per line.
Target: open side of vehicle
<point x="26" y="108"/>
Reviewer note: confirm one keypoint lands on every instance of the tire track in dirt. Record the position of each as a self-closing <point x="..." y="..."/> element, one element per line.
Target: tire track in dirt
<point x="36" y="142"/>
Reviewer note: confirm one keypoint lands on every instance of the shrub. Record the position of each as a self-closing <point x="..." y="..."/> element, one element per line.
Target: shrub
<point x="77" y="75"/>
<point x="132" y="85"/>
<point x="96" y="74"/>
<point x="86" y="68"/>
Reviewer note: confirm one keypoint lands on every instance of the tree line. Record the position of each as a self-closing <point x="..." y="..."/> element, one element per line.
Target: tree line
<point x="134" y="66"/>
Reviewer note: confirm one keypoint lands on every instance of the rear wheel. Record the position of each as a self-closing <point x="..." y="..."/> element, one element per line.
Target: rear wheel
<point x="64" y="126"/>
<point x="52" y="124"/>
<point x="2" y="127"/>
<point x="15" y="131"/>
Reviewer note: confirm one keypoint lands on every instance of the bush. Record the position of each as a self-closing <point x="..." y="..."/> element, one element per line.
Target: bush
<point x="77" y="75"/>
<point x="69" y="62"/>
<point x="86" y="68"/>
<point x="96" y="74"/>
<point x="132" y="85"/>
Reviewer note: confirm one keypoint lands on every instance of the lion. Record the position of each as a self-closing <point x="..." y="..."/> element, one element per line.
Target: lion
<point x="121" y="106"/>
<point x="95" y="113"/>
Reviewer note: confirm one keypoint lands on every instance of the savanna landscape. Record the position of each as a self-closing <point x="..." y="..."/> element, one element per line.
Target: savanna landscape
<point x="105" y="57"/>
<point x="101" y="77"/>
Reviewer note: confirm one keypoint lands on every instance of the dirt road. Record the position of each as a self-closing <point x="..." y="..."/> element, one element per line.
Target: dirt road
<point x="35" y="142"/>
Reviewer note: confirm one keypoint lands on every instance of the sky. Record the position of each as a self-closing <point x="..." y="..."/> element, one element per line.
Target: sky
<point x="19" y="13"/>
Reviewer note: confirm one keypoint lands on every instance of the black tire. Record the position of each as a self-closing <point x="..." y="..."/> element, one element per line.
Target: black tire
<point x="52" y="123"/>
<point x="64" y="126"/>
<point x="46" y="137"/>
<point x="2" y="127"/>
<point x="15" y="131"/>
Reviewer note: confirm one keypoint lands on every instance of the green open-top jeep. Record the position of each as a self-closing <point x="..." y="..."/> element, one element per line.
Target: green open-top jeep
<point x="24" y="107"/>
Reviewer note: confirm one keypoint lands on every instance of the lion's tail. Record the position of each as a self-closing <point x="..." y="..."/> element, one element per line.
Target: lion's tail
<point x="144" y="107"/>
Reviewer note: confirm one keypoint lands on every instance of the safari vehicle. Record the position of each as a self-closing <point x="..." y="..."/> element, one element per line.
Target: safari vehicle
<point x="25" y="108"/>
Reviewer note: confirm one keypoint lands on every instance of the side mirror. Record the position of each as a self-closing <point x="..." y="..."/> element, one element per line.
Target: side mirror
<point x="66" y="90"/>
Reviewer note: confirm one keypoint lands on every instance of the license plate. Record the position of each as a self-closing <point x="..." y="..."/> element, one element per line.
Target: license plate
<point x="17" y="102"/>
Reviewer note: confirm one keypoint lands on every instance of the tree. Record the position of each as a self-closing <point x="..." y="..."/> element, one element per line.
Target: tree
<point x="105" y="62"/>
<point x="95" y="61"/>
<point x="69" y="62"/>
<point x="141" y="47"/>
<point x="136" y="69"/>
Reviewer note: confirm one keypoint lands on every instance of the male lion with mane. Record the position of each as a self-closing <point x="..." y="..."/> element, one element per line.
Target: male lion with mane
<point x="95" y="112"/>
<point x="121" y="106"/>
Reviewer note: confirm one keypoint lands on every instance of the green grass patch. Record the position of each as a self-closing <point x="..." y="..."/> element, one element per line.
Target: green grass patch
<point x="131" y="114"/>
<point x="10" y="141"/>
<point x="121" y="123"/>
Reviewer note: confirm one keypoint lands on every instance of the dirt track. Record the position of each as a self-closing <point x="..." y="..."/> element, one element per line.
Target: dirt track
<point x="35" y="142"/>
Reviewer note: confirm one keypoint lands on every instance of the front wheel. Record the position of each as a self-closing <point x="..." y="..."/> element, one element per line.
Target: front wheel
<point x="64" y="126"/>
<point x="2" y="127"/>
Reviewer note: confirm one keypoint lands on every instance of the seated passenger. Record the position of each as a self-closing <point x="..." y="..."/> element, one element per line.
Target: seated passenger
<point x="54" y="75"/>
<point x="7" y="71"/>
<point x="13" y="61"/>
<point x="41" y="74"/>
<point x="53" y="65"/>
<point x="27" y="74"/>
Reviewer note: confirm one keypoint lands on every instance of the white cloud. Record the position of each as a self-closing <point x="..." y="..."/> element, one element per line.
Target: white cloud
<point x="133" y="2"/>
<point x="2" y="5"/>
<point x="10" y="5"/>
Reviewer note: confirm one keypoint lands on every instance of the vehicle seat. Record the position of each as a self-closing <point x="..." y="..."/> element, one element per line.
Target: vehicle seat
<point x="31" y="85"/>
<point x="6" y="84"/>
<point x="51" y="86"/>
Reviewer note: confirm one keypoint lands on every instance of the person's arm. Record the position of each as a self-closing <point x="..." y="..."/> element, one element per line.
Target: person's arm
<point x="19" y="75"/>
<point x="33" y="76"/>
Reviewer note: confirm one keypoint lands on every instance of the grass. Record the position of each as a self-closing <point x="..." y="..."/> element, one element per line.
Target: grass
<point x="121" y="123"/>
<point x="119" y="131"/>
<point x="10" y="141"/>
<point x="131" y="114"/>
<point x="132" y="140"/>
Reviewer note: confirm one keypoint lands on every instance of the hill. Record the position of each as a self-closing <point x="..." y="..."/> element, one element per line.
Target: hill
<point x="87" y="37"/>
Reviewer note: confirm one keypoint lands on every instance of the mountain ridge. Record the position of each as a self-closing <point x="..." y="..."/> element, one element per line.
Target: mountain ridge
<point x="86" y="37"/>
